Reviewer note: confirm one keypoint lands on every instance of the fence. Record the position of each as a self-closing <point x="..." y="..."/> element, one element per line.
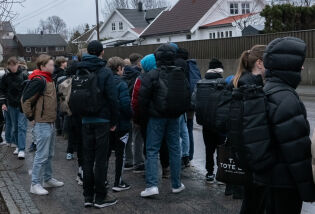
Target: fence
<point x="227" y="48"/>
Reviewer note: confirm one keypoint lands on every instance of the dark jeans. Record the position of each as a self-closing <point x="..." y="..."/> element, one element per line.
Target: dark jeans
<point x="75" y="137"/>
<point x="285" y="201"/>
<point x="1" y="125"/>
<point x="211" y="139"/>
<point x="254" y="199"/>
<point x="119" y="146"/>
<point x="190" y="126"/>
<point x="95" y="149"/>
<point x="59" y="122"/>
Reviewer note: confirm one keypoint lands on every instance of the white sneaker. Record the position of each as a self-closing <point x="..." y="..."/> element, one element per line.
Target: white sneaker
<point x="150" y="192"/>
<point x="16" y="151"/>
<point x="178" y="190"/>
<point x="12" y="145"/>
<point x="3" y="143"/>
<point x="21" y="155"/>
<point x="37" y="189"/>
<point x="53" y="183"/>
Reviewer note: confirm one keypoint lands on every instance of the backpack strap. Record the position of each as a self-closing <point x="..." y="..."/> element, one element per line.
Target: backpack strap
<point x="42" y="93"/>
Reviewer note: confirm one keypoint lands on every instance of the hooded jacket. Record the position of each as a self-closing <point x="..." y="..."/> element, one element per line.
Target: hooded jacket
<point x="39" y="101"/>
<point x="106" y="83"/>
<point x="148" y="63"/>
<point x="131" y="73"/>
<point x="11" y="87"/>
<point x="152" y="95"/>
<point x="283" y="59"/>
<point x="125" y="112"/>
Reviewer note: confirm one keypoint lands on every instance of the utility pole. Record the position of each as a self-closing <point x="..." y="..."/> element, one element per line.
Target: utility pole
<point x="97" y="22"/>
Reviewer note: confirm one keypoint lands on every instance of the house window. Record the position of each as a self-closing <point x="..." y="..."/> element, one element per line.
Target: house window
<point x="113" y="26"/>
<point x="218" y="35"/>
<point x="188" y="36"/>
<point x="222" y="35"/>
<point x="28" y="50"/>
<point x="158" y="40"/>
<point x="210" y="35"/>
<point x="234" y="8"/>
<point x="121" y="26"/>
<point x="28" y="59"/>
<point x="226" y="34"/>
<point x="41" y="50"/>
<point x="213" y="36"/>
<point x="230" y="32"/>
<point x="60" y="49"/>
<point x="245" y="8"/>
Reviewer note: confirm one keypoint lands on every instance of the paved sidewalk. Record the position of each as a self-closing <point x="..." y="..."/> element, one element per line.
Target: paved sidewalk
<point x="197" y="198"/>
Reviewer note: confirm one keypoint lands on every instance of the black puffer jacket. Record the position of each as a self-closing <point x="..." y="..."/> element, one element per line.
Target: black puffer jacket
<point x="152" y="97"/>
<point x="287" y="116"/>
<point x="131" y="73"/>
<point x="11" y="87"/>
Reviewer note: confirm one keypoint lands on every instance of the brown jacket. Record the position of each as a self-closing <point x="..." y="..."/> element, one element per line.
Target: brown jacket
<point x="42" y="108"/>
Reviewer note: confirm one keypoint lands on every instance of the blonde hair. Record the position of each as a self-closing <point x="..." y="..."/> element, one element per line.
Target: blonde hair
<point x="248" y="60"/>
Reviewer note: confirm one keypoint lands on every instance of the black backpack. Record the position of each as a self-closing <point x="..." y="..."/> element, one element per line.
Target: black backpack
<point x="212" y="105"/>
<point x="173" y="91"/>
<point x="249" y="128"/>
<point x="86" y="97"/>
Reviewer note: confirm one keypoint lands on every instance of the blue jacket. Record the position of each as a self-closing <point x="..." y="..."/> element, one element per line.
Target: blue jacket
<point x="125" y="112"/>
<point x="109" y="112"/>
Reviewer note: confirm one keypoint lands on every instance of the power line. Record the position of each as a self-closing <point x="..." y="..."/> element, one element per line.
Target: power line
<point x="42" y="11"/>
<point x="34" y="11"/>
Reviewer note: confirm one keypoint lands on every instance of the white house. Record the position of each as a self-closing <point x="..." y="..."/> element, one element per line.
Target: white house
<point x="203" y="19"/>
<point x="124" y="26"/>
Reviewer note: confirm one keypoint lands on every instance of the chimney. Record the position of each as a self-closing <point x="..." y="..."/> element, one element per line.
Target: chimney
<point x="140" y="6"/>
<point x="41" y="32"/>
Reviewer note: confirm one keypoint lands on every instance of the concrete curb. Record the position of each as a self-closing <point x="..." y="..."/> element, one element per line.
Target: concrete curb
<point x="18" y="201"/>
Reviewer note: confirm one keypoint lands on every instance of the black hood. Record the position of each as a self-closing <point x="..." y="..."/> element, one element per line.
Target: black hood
<point x="91" y="62"/>
<point x="213" y="76"/>
<point x="248" y="78"/>
<point x="284" y="58"/>
<point x="131" y="71"/>
<point x="165" y="55"/>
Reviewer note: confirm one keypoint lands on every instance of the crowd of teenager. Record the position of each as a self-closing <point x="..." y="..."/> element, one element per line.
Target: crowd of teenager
<point x="145" y="113"/>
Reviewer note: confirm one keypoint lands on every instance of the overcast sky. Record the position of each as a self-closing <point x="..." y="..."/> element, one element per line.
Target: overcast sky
<point x="73" y="12"/>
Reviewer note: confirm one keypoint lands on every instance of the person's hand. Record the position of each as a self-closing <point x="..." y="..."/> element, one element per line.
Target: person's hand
<point x="33" y="122"/>
<point x="113" y="129"/>
<point x="4" y="107"/>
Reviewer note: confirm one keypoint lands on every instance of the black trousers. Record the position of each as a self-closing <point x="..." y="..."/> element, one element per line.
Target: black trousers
<point x="254" y="199"/>
<point x="119" y="146"/>
<point x="211" y="139"/>
<point x="75" y="137"/>
<point x="284" y="201"/>
<point x="1" y="125"/>
<point x="95" y="150"/>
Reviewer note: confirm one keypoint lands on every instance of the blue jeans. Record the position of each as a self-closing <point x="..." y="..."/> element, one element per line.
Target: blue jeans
<point x="8" y="127"/>
<point x="156" y="130"/>
<point x="45" y="135"/>
<point x="183" y="132"/>
<point x="19" y="127"/>
<point x="190" y="126"/>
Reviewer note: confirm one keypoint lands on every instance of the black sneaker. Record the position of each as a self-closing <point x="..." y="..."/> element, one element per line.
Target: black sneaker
<point x="185" y="161"/>
<point x="210" y="178"/>
<point x="108" y="201"/>
<point x="88" y="202"/>
<point x="139" y="169"/>
<point x="121" y="187"/>
<point x="128" y="167"/>
<point x="32" y="147"/>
